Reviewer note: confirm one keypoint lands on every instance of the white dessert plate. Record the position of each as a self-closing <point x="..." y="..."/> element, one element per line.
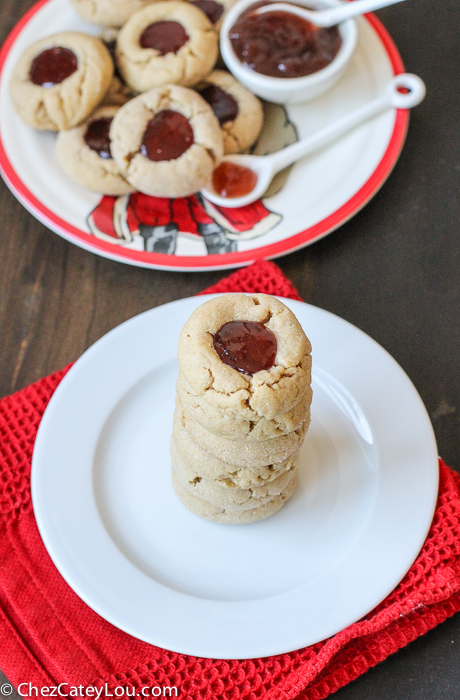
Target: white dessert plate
<point x="321" y="192"/>
<point x="107" y="513"/>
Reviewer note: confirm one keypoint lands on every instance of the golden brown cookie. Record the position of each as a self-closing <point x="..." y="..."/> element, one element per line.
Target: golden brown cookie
<point x="85" y="155"/>
<point x="202" y="464"/>
<point x="60" y="80"/>
<point x="225" y="495"/>
<point x="164" y="43"/>
<point x="218" y="514"/>
<point x="273" y="388"/>
<point x="112" y="13"/>
<point x="236" y="427"/>
<point x="246" y="454"/>
<point x="166" y="142"/>
<point x="239" y="112"/>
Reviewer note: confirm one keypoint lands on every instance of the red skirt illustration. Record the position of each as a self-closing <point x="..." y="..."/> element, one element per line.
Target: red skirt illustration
<point x="155" y="224"/>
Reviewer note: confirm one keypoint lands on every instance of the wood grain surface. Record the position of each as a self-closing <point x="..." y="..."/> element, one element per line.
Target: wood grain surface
<point x="393" y="271"/>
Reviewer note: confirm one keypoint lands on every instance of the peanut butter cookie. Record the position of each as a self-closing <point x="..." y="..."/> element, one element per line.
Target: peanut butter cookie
<point x="219" y="493"/>
<point x="85" y="154"/>
<point x="219" y="514"/>
<point x="202" y="464"/>
<point x="247" y="454"/>
<point x="247" y="355"/>
<point x="166" y="42"/>
<point x="166" y="142"/>
<point x="60" y="80"/>
<point x="112" y="13"/>
<point x="236" y="427"/>
<point x="239" y="112"/>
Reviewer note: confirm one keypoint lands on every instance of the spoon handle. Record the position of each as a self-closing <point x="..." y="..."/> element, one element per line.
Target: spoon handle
<point x="413" y="92"/>
<point x="351" y="9"/>
<point x="330" y="16"/>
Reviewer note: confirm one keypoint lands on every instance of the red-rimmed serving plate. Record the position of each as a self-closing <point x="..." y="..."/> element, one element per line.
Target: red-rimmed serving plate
<point x="321" y="192"/>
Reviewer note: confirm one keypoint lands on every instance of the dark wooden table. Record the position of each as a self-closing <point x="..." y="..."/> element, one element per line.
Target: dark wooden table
<point x="393" y="271"/>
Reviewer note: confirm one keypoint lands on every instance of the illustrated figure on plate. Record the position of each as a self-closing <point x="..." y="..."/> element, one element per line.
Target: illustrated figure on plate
<point x="186" y="224"/>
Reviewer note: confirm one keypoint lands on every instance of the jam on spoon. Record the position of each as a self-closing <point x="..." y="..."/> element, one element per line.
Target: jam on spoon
<point x="231" y="180"/>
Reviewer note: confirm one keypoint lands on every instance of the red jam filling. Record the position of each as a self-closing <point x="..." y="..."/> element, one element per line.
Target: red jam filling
<point x="97" y="137"/>
<point x="231" y="180"/>
<point x="167" y="136"/>
<point x="53" y="66"/>
<point x="165" y="37"/>
<point x="281" y="44"/>
<point x="213" y="10"/>
<point x="247" y="346"/>
<point x="224" y="106"/>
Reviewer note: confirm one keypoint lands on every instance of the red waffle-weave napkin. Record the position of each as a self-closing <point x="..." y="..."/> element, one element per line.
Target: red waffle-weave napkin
<point x="49" y="636"/>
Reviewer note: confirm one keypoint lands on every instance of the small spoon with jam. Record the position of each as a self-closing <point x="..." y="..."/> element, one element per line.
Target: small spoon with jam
<point x="241" y="179"/>
<point x="330" y="16"/>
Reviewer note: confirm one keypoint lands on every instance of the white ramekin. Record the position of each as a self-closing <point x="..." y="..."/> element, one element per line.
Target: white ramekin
<point x="289" y="90"/>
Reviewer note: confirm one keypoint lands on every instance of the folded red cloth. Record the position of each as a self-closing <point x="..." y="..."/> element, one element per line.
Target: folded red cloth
<point x="49" y="636"/>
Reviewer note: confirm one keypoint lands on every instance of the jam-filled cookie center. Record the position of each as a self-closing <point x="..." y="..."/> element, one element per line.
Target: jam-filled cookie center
<point x="167" y="136"/>
<point x="224" y="106"/>
<point x="247" y="346"/>
<point x="213" y="10"/>
<point x="165" y="37"/>
<point x="97" y="137"/>
<point x="53" y="66"/>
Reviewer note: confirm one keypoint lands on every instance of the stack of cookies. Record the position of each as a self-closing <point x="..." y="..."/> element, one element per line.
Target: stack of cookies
<point x="242" y="410"/>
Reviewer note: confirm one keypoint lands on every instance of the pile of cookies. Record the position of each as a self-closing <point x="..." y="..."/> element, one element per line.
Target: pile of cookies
<point x="242" y="409"/>
<point x="123" y="104"/>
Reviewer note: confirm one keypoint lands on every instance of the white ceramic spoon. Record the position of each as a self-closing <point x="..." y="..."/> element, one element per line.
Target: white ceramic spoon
<point x="331" y="16"/>
<point x="402" y="92"/>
